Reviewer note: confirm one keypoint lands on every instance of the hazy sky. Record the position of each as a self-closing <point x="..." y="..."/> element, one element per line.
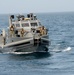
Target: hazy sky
<point x="26" y="6"/>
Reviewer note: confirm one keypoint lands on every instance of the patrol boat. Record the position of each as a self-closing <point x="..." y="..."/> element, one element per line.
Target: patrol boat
<point x="24" y="35"/>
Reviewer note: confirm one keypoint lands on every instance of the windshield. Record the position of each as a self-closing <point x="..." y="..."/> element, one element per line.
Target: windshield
<point x="25" y="24"/>
<point x="34" y="24"/>
<point x="17" y="25"/>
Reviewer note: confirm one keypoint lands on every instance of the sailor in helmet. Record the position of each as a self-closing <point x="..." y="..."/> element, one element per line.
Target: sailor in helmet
<point x="12" y="30"/>
<point x="22" y="32"/>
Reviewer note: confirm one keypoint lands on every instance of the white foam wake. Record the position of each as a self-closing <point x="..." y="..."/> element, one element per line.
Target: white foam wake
<point x="60" y="50"/>
<point x="67" y="49"/>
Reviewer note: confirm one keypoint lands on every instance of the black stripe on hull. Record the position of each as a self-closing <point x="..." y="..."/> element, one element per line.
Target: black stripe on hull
<point x="25" y="43"/>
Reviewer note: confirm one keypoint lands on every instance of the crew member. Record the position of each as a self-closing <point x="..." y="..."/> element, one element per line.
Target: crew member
<point x="12" y="30"/>
<point x="22" y="32"/>
<point x="41" y="31"/>
<point x="4" y="37"/>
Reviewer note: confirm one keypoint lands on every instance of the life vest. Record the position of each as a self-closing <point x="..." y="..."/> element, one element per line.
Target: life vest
<point x="22" y="31"/>
<point x="43" y="31"/>
<point x="11" y="28"/>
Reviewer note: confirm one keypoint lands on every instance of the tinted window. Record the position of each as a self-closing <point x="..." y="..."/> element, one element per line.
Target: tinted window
<point x="25" y="25"/>
<point x="34" y="24"/>
<point x="17" y="25"/>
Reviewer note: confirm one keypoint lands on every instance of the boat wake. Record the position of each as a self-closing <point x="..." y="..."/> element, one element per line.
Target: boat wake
<point x="58" y="49"/>
<point x="67" y="49"/>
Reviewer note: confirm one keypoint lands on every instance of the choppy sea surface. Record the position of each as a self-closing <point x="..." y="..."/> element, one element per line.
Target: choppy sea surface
<point x="59" y="60"/>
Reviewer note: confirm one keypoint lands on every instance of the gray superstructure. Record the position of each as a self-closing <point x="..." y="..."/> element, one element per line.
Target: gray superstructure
<point x="24" y="35"/>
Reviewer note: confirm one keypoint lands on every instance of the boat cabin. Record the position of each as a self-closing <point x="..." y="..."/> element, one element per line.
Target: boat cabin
<point x="23" y="30"/>
<point x="25" y="23"/>
<point x="22" y="26"/>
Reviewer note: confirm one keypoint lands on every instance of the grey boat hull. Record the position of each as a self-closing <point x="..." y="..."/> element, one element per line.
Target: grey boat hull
<point x="25" y="49"/>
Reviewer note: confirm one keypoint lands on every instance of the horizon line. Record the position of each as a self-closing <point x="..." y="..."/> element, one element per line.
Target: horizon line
<point x="38" y="12"/>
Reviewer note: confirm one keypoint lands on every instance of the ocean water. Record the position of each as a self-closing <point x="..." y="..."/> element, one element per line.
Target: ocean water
<point x="60" y="58"/>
